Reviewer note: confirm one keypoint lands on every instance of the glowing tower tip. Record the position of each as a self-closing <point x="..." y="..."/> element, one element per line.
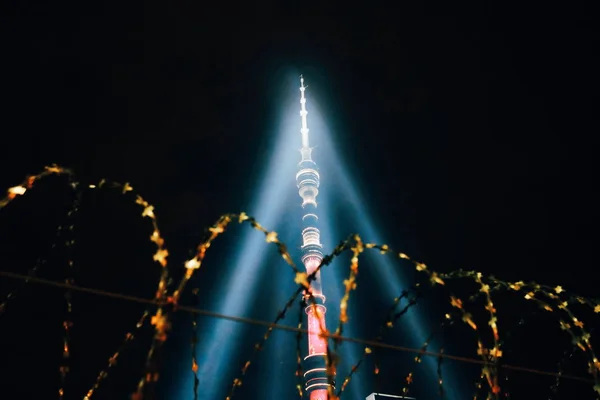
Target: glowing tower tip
<point x="303" y="113"/>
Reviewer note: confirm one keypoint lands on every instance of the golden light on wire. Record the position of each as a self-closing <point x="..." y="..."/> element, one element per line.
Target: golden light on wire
<point x="554" y="300"/>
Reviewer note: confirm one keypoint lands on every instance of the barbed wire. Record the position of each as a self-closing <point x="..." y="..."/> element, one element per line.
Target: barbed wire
<point x="553" y="300"/>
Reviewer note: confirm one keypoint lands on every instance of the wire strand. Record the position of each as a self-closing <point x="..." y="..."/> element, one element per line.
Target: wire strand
<point x="256" y="322"/>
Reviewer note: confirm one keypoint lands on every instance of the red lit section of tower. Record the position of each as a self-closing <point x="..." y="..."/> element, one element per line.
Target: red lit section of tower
<point x="307" y="178"/>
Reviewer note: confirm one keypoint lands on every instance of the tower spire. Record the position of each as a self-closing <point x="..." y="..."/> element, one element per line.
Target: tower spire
<point x="303" y="113"/>
<point x="317" y="384"/>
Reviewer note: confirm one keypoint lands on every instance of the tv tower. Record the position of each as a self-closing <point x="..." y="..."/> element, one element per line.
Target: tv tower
<point x="307" y="178"/>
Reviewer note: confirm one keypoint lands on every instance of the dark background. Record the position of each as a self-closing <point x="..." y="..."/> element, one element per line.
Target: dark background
<point x="471" y="127"/>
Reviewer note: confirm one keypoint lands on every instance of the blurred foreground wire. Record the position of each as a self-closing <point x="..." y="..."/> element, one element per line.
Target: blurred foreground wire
<point x="256" y="322"/>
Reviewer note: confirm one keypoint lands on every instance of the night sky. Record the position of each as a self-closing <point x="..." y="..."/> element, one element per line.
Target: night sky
<point x="468" y="131"/>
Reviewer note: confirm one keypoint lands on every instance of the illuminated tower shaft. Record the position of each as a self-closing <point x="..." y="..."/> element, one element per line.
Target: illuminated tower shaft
<point x="307" y="179"/>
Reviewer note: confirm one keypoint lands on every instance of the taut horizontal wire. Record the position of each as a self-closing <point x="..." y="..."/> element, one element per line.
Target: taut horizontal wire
<point x="251" y="321"/>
